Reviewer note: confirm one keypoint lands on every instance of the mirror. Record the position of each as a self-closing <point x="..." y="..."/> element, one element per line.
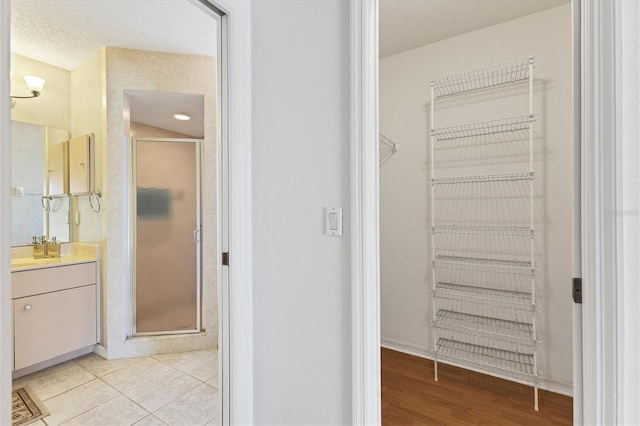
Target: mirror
<point x="40" y="204"/>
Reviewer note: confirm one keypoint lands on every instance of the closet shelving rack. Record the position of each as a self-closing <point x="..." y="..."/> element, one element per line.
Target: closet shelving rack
<point x="388" y="142"/>
<point x="520" y="364"/>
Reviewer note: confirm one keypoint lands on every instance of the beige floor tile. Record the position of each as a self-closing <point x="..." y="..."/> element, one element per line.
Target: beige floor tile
<point x="203" y="368"/>
<point x="214" y="382"/>
<point x="177" y="358"/>
<point x="100" y="366"/>
<point x="157" y="393"/>
<point x="144" y="370"/>
<point x="118" y="411"/>
<point x="215" y="422"/>
<point x="198" y="407"/>
<point x="150" y="420"/>
<point x="77" y="401"/>
<point x="47" y="384"/>
<point x="47" y="372"/>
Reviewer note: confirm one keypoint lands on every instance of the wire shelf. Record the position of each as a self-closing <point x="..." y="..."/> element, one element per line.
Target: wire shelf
<point x="446" y="260"/>
<point x="505" y="125"/>
<point x="502" y="177"/>
<point x="484" y="78"/>
<point x="484" y="295"/>
<point x="515" y="364"/>
<point x="476" y="325"/>
<point x="484" y="230"/>
<point x="388" y="142"/>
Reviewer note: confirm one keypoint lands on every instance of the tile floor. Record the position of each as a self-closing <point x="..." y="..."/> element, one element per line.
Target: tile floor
<point x="168" y="389"/>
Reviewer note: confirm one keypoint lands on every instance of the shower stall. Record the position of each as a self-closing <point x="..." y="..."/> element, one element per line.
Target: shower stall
<point x="166" y="234"/>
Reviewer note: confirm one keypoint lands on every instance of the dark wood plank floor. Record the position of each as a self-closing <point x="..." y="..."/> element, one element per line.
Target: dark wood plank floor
<point x="410" y="396"/>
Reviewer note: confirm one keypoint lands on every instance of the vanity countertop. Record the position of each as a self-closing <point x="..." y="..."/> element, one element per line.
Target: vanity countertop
<point x="70" y="254"/>
<point x="25" y="264"/>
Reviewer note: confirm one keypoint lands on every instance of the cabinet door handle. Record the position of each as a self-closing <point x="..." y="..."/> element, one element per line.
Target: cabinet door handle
<point x="27" y="307"/>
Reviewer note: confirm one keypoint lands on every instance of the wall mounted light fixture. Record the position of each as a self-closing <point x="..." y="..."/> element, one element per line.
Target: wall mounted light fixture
<point x="35" y="86"/>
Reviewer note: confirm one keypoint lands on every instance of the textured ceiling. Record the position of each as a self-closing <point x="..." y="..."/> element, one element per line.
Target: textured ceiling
<point x="157" y="109"/>
<point x="66" y="32"/>
<point x="408" y="24"/>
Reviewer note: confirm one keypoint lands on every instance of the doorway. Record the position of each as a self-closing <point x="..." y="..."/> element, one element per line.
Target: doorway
<point x="225" y="120"/>
<point x="476" y="243"/>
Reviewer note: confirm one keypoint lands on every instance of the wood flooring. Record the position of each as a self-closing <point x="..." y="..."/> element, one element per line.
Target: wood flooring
<point x="410" y="396"/>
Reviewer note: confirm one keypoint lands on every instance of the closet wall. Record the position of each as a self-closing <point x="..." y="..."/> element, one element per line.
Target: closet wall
<point x="404" y="188"/>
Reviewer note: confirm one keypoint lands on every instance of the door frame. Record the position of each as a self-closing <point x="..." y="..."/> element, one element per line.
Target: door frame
<point x="235" y="282"/>
<point x="600" y="249"/>
<point x="133" y="238"/>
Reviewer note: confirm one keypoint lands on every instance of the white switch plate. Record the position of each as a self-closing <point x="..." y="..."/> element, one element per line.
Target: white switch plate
<point x="333" y="221"/>
<point x="18" y="191"/>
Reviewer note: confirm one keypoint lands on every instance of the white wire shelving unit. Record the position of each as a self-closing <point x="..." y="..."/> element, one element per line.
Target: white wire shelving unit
<point x="488" y="296"/>
<point x="483" y="230"/>
<point x="394" y="146"/>
<point x="519" y="71"/>
<point x="515" y="364"/>
<point x="451" y="325"/>
<point x="485" y="128"/>
<point x="501" y="177"/>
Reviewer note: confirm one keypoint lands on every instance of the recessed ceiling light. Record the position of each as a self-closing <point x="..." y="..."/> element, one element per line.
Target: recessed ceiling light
<point x="179" y="116"/>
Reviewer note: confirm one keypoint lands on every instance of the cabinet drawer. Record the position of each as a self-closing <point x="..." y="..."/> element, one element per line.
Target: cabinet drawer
<point x="45" y="280"/>
<point x="53" y="324"/>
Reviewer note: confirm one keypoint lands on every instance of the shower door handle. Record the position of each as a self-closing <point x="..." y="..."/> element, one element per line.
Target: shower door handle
<point x="196" y="235"/>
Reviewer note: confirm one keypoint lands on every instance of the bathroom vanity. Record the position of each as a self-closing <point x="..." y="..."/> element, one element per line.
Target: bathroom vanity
<point x="55" y="306"/>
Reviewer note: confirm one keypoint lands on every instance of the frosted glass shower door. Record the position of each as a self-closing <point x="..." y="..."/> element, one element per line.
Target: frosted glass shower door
<point x="166" y="229"/>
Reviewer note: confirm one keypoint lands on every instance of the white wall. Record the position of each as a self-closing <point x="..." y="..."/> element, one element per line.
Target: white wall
<point x="52" y="107"/>
<point x="629" y="317"/>
<point x="301" y="299"/>
<point x="88" y="116"/>
<point x="127" y="69"/>
<point x="405" y="211"/>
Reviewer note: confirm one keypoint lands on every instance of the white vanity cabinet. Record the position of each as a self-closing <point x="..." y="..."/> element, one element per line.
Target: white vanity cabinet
<point x="54" y="312"/>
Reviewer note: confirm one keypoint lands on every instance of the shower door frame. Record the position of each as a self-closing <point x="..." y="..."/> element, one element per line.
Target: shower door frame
<point x="134" y="236"/>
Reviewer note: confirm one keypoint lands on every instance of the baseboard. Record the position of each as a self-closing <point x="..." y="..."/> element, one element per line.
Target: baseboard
<point x="405" y="348"/>
<point x="51" y="362"/>
<point x="424" y="352"/>
<point x="100" y="351"/>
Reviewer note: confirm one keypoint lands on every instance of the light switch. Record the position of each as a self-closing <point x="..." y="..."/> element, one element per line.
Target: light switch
<point x="18" y="191"/>
<point x="333" y="221"/>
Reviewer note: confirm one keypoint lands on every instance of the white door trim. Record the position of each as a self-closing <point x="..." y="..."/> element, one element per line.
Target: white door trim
<point x="365" y="272"/>
<point x="235" y="289"/>
<point x="600" y="245"/>
<point x="576" y="210"/>
<point x="5" y="218"/>
<point x="236" y="306"/>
